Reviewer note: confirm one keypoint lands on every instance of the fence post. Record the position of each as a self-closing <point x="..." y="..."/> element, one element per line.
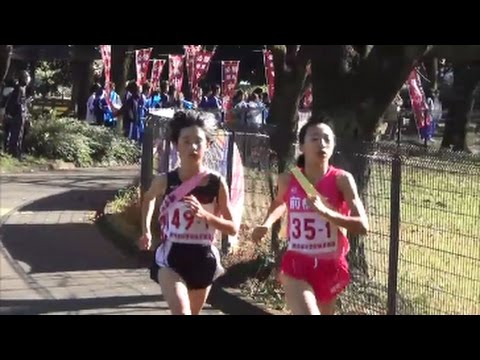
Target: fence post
<point x="395" y="204"/>
<point x="231" y="146"/>
<point x="147" y="157"/>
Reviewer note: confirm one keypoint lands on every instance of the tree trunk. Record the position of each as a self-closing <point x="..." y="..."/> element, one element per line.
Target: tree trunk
<point x="290" y="75"/>
<point x="355" y="90"/>
<point x="466" y="80"/>
<point x="121" y="61"/>
<point x="82" y="78"/>
<point x="5" y="57"/>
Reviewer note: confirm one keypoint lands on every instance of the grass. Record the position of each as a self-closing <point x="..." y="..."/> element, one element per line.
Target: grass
<point x="439" y="260"/>
<point x="10" y="164"/>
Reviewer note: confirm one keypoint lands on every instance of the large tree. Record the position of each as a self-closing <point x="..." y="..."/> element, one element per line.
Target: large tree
<point x="291" y="63"/>
<point x="466" y="80"/>
<point x="82" y="76"/>
<point x="466" y="67"/>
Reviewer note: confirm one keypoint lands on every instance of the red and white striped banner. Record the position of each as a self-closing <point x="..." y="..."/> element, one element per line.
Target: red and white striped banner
<point x="142" y="62"/>
<point x="106" y="51"/>
<point x="175" y="75"/>
<point x="156" y="73"/>
<point x="269" y="72"/>
<point x="229" y="81"/>
<point x="202" y="63"/>
<point x="418" y="99"/>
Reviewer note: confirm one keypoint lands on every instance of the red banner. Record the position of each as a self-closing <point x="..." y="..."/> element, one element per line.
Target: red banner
<point x="202" y="63"/>
<point x="419" y="101"/>
<point x="229" y="81"/>
<point x="269" y="72"/>
<point x="156" y="72"/>
<point x="142" y="62"/>
<point x="106" y="51"/>
<point x="190" y="54"/>
<point x="175" y="75"/>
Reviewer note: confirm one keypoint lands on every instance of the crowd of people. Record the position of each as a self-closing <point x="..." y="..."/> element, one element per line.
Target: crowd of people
<point x="250" y="109"/>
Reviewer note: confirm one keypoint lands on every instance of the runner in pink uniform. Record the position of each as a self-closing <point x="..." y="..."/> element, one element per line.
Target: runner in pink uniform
<point x="314" y="269"/>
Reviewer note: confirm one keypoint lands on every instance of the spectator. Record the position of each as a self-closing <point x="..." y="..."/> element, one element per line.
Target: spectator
<point x="16" y="112"/>
<point x="90" y="117"/>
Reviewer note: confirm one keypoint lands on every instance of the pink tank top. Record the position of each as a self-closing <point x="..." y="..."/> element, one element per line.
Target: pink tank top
<point x="308" y="233"/>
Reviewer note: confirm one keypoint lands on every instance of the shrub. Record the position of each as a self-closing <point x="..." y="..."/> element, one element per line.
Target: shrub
<point x="74" y="141"/>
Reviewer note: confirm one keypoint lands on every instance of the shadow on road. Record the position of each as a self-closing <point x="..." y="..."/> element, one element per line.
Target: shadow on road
<point x="73" y="200"/>
<point x="114" y="304"/>
<point x="63" y="244"/>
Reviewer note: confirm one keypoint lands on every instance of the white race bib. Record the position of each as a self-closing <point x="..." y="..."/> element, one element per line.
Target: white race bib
<point x="184" y="227"/>
<point x="309" y="233"/>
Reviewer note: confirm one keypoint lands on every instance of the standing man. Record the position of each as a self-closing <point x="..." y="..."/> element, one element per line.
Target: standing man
<point x="16" y="111"/>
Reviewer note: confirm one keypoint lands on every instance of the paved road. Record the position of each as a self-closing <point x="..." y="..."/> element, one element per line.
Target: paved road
<point x="53" y="260"/>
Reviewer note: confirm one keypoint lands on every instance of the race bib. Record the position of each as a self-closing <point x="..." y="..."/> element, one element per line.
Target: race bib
<point x="184" y="227"/>
<point x="310" y="233"/>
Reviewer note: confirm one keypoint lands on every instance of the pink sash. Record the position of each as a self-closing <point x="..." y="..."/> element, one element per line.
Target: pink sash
<point x="178" y="194"/>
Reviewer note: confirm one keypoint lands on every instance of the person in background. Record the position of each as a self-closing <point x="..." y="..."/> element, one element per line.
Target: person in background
<point x="114" y="105"/>
<point x="240" y="107"/>
<point x="100" y="107"/>
<point x="164" y="97"/>
<point x="16" y="110"/>
<point x="214" y="103"/>
<point x="90" y="117"/>
<point x="255" y="111"/>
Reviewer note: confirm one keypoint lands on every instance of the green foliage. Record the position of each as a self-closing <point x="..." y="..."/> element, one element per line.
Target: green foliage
<point x="74" y="141"/>
<point x="49" y="76"/>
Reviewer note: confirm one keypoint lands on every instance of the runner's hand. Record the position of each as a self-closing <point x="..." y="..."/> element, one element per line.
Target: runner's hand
<point x="145" y="242"/>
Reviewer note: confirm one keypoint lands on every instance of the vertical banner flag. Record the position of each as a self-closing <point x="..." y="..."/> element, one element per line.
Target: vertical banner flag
<point x="229" y="81"/>
<point x="106" y="51"/>
<point x="202" y="64"/>
<point x="419" y="102"/>
<point x="190" y="55"/>
<point x="142" y="62"/>
<point x="269" y="72"/>
<point x="175" y="75"/>
<point x="156" y="72"/>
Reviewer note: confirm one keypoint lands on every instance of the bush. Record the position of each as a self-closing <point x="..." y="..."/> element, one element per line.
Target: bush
<point x="84" y="145"/>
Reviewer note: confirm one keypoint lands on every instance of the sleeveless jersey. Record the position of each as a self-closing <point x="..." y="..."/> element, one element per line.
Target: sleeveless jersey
<point x="179" y="224"/>
<point x="308" y="232"/>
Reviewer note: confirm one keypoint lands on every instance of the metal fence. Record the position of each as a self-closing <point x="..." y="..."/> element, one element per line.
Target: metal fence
<point x="422" y="255"/>
<point x="423" y="250"/>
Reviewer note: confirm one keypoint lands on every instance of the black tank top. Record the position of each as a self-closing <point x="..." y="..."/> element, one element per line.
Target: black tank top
<point x="205" y="194"/>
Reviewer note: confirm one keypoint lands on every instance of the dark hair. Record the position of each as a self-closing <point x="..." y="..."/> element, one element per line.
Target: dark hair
<point x="303" y="133"/>
<point x="185" y="119"/>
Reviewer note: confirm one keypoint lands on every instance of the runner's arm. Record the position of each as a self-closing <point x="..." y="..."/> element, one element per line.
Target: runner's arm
<point x="157" y="189"/>
<point x="357" y="222"/>
<point x="224" y="222"/>
<point x="278" y="207"/>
